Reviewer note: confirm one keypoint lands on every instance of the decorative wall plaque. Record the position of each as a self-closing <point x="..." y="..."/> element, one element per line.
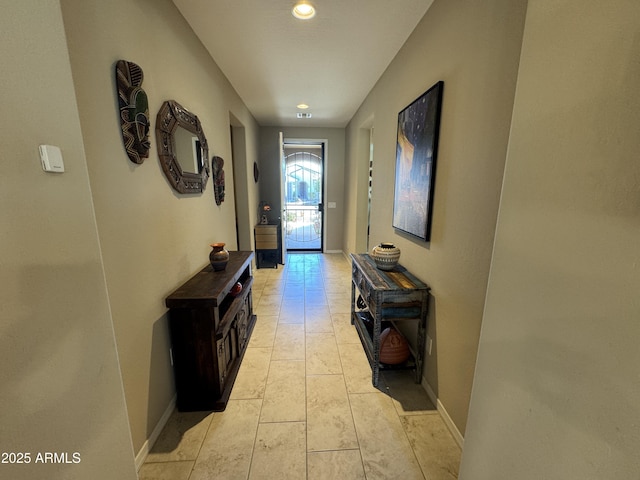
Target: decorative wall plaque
<point x="218" y="179"/>
<point x="182" y="148"/>
<point x="134" y="110"/>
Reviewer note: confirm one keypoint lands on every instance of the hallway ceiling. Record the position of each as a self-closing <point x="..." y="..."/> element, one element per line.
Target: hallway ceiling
<point x="275" y="61"/>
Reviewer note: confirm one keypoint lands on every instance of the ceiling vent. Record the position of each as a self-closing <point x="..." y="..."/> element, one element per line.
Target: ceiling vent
<point x="303" y="115"/>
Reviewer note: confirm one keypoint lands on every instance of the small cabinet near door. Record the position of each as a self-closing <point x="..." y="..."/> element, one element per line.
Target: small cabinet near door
<point x="268" y="240"/>
<point x="210" y="329"/>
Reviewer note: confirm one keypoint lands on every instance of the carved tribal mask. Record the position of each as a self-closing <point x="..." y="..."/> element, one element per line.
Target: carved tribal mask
<point x="134" y="110"/>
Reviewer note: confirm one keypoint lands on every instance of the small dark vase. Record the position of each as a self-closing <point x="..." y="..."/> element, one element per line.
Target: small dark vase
<point x="219" y="257"/>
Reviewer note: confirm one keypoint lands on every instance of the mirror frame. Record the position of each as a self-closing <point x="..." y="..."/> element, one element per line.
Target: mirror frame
<point x="171" y="116"/>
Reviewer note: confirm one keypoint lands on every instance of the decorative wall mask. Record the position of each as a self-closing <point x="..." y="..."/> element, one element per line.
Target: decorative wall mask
<point x="217" y="165"/>
<point x="416" y="154"/>
<point x="134" y="110"/>
<point x="182" y="148"/>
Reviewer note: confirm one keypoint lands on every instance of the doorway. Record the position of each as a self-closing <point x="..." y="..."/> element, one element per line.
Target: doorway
<point x="303" y="192"/>
<point x="243" y="196"/>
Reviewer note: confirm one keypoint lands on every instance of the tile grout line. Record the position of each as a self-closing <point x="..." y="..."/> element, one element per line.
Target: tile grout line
<point x="255" y="437"/>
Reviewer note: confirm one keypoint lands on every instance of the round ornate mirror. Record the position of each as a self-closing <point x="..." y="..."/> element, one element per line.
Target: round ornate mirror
<point x="182" y="148"/>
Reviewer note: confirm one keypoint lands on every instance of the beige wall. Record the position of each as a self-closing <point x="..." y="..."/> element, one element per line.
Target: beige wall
<point x="152" y="238"/>
<point x="334" y="174"/>
<point x="557" y="392"/>
<point x="474" y="48"/>
<point x="61" y="389"/>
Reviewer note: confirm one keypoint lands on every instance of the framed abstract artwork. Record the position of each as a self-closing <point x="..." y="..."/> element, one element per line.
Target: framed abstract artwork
<point x="416" y="154"/>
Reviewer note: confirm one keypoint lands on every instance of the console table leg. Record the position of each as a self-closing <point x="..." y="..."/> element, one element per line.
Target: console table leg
<point x="377" y="321"/>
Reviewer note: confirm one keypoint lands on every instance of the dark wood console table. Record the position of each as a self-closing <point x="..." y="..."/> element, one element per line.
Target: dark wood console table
<point x="210" y="329"/>
<point x="385" y="297"/>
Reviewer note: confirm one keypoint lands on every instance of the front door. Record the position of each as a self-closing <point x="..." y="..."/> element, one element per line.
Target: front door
<point x="303" y="196"/>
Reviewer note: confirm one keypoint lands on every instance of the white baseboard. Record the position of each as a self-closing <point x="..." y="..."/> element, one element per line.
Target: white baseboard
<point x="430" y="393"/>
<point x="148" y="445"/>
<point x="333" y="251"/>
<point x="457" y="436"/>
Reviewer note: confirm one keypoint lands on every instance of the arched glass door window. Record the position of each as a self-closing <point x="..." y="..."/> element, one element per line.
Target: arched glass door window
<point x="303" y="196"/>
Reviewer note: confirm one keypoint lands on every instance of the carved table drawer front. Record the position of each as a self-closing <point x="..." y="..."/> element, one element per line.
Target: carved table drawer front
<point x="243" y="324"/>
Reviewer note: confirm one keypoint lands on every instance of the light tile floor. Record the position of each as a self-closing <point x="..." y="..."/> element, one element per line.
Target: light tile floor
<point x="303" y="406"/>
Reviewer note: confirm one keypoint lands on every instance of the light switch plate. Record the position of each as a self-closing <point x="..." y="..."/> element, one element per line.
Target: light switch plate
<point x="51" y="158"/>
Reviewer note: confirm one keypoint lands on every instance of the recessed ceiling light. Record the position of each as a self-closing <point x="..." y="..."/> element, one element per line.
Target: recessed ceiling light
<point x="303" y="11"/>
<point x="303" y="106"/>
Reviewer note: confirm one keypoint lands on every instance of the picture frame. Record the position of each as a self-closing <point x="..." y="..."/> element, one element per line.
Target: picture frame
<point x="416" y="156"/>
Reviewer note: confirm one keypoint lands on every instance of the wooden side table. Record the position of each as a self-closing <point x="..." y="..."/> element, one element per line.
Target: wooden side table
<point x="387" y="296"/>
<point x="210" y="327"/>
